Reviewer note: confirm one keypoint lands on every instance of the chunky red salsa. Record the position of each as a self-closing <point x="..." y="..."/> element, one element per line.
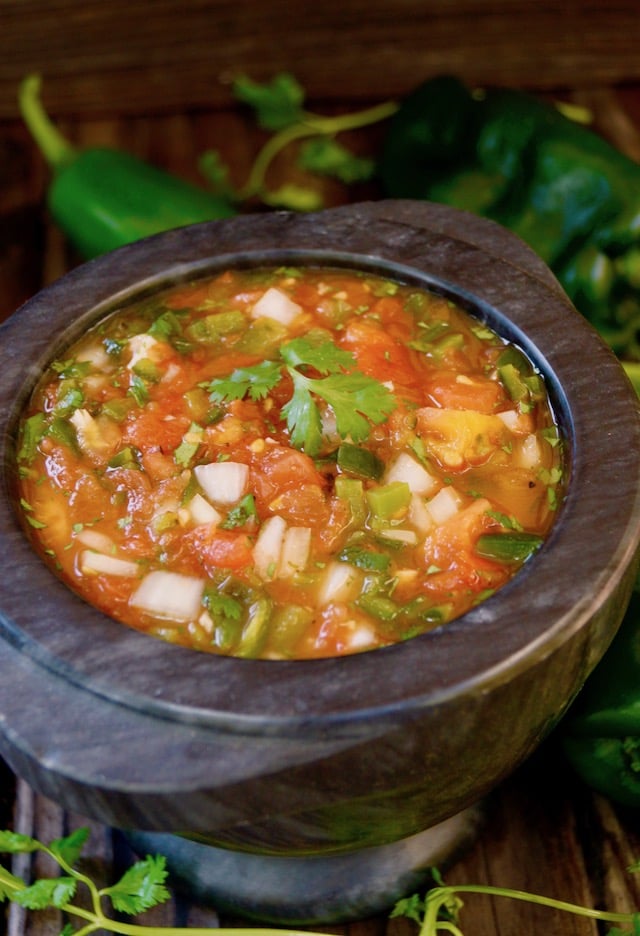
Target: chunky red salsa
<point x="289" y="463"/>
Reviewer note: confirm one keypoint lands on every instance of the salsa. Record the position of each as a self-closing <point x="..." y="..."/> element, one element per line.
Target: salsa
<point x="289" y="463"/>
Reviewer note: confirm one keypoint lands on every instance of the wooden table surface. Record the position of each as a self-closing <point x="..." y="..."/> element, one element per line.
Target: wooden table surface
<point x="544" y="831"/>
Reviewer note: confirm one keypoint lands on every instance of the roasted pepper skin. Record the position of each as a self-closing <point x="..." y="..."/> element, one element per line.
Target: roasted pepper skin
<point x="567" y="192"/>
<point x="601" y="732"/>
<point x="105" y="198"/>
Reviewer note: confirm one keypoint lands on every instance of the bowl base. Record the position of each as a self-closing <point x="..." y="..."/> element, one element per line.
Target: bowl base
<point x="303" y="891"/>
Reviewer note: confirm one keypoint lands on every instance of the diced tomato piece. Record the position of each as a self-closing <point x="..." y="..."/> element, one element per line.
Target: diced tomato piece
<point x="446" y="389"/>
<point x="339" y="629"/>
<point x="219" y="549"/>
<point x="302" y="505"/>
<point x="450" y="548"/>
<point x="279" y="469"/>
<point x="381" y="356"/>
<point x="151" y="430"/>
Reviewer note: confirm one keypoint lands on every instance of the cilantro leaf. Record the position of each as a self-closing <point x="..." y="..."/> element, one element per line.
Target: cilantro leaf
<point x="69" y="849"/>
<point x="325" y="357"/>
<point x="216" y="172"/>
<point x="47" y="892"/>
<point x="303" y="418"/>
<point x="33" y="431"/>
<point x="222" y="606"/>
<point x="255" y="382"/>
<point x="140" y="887"/>
<point x="327" y="157"/>
<point x="356" y="400"/>
<point x="295" y="197"/>
<point x="244" y="510"/>
<point x="16" y="843"/>
<point x="277" y="104"/>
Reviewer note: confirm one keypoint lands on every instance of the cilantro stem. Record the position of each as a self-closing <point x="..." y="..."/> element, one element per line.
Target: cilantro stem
<point x="309" y="126"/>
<point x="439" y="897"/>
<point x="78" y="875"/>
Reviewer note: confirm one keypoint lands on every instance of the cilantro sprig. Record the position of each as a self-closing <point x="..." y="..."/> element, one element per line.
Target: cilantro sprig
<point x="356" y="399"/>
<point x="439" y="910"/>
<point x="143" y="886"/>
<point x="279" y="108"/>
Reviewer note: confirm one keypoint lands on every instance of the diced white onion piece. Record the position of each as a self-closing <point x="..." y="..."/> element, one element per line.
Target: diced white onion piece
<point x="406" y="468"/>
<point x="296" y="547"/>
<point x="223" y="482"/>
<point x="206" y="622"/>
<point x="396" y="535"/>
<point x="89" y="433"/>
<point x="341" y="582"/>
<point x="510" y="418"/>
<point x="142" y="347"/>
<point x="201" y="511"/>
<point x="95" y="540"/>
<point x="444" y="505"/>
<point x="172" y="371"/>
<point x="529" y="454"/>
<point x="276" y="305"/>
<point x="268" y="547"/>
<point x="96" y="563"/>
<point x="418" y="516"/>
<point x="169" y="595"/>
<point x="361" y="637"/>
<point x="95" y="355"/>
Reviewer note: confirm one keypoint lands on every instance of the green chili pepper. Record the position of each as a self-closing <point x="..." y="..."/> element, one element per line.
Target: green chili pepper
<point x="105" y="198"/>
<point x="566" y="191"/>
<point x="601" y="733"/>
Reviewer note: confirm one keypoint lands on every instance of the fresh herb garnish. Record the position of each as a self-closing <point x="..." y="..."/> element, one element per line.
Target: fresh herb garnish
<point x="279" y="108"/>
<point x="356" y="399"/>
<point x="244" y="510"/>
<point x="143" y="887"/>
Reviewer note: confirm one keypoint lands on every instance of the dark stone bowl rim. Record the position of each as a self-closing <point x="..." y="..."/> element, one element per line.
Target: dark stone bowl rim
<point x="489" y="645"/>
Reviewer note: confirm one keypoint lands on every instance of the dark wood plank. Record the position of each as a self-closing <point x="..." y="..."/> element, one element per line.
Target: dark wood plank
<point x="127" y="57"/>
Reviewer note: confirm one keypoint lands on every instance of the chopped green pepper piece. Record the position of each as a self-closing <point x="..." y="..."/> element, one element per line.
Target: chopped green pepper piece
<point x="514" y="546"/>
<point x="288" y="624"/>
<point x="263" y="336"/>
<point x="118" y="408"/>
<point x="254" y="633"/>
<point x="352" y="490"/>
<point x="62" y="431"/>
<point x="125" y="458"/>
<point x="363" y="557"/>
<point x="147" y="370"/>
<point x="360" y="461"/>
<point x="390" y="500"/>
<point x="513" y="383"/>
<point x="378" y="606"/>
<point x="213" y="327"/>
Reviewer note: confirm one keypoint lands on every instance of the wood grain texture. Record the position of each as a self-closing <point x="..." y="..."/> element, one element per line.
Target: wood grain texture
<point x="139" y="57"/>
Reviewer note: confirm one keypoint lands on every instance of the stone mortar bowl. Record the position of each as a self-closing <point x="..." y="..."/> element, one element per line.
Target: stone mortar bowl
<point x="320" y="759"/>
